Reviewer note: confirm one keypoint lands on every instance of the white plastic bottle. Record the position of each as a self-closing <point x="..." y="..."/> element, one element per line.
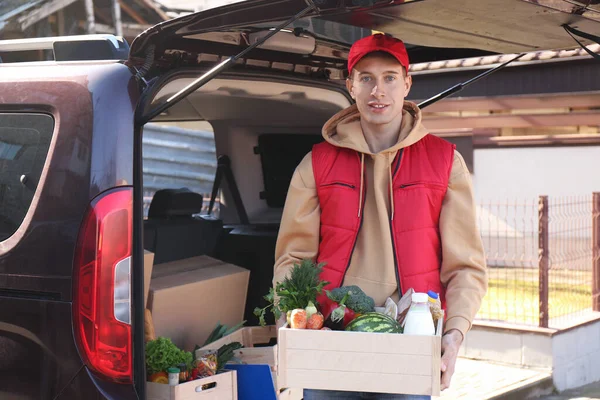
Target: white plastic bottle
<point x="173" y="376"/>
<point x="418" y="319"/>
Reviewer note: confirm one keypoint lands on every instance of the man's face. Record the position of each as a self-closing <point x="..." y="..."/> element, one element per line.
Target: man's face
<point x="379" y="85"/>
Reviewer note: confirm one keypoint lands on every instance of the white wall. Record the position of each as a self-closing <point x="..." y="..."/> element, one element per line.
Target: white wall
<point x="576" y="355"/>
<point x="572" y="355"/>
<point x="526" y="173"/>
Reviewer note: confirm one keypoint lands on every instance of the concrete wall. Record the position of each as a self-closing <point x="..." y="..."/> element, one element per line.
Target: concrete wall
<point x="528" y="172"/>
<point x="576" y="355"/>
<point x="522" y="348"/>
<point x="572" y="355"/>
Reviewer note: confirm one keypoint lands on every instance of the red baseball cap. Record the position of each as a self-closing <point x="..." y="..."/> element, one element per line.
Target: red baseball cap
<point x="378" y="42"/>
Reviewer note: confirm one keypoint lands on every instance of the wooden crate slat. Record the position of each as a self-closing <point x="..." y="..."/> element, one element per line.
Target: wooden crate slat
<point x="360" y="382"/>
<point x="325" y="361"/>
<point x="364" y="342"/>
<point x="225" y="389"/>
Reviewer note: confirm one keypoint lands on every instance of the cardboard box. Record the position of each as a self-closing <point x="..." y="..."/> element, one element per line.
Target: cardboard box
<point x="148" y="264"/>
<point x="225" y="388"/>
<point x="359" y="361"/>
<point x="189" y="297"/>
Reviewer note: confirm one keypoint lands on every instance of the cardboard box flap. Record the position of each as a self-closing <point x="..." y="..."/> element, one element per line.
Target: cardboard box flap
<point x="195" y="275"/>
<point x="185" y="265"/>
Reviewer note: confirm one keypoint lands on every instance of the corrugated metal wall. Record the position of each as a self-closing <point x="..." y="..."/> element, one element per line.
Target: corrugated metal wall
<point x="175" y="157"/>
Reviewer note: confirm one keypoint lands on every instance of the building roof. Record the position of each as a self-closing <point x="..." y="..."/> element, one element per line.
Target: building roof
<point x="488" y="61"/>
<point x="10" y="9"/>
<point x="18" y="15"/>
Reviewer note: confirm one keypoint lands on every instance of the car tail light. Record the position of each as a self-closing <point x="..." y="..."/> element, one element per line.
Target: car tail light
<point x="102" y="286"/>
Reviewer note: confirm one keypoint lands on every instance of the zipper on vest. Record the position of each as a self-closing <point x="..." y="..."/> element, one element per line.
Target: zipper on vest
<point x="400" y="153"/>
<point x="339" y="184"/>
<point x="405" y="185"/>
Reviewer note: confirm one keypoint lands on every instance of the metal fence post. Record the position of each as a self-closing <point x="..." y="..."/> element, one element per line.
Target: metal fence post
<point x="544" y="259"/>
<point x="596" y="252"/>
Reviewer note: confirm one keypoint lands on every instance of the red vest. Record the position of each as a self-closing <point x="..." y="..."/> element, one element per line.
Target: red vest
<point x="420" y="179"/>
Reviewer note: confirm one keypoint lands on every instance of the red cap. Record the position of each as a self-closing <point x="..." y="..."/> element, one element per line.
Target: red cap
<point x="378" y="42"/>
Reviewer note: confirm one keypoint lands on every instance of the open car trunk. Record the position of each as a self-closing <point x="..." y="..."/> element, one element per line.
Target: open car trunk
<point x="267" y="108"/>
<point x="494" y="26"/>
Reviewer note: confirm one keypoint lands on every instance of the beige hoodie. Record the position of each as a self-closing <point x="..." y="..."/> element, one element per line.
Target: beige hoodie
<point x="463" y="270"/>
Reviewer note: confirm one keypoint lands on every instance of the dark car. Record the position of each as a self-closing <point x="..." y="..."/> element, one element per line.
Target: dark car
<point x="72" y="226"/>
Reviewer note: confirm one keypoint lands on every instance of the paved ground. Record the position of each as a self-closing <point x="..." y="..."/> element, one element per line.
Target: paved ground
<point x="479" y="380"/>
<point x="589" y="392"/>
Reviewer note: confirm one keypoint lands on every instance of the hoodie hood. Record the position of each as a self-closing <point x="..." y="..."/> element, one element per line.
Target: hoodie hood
<point x="344" y="130"/>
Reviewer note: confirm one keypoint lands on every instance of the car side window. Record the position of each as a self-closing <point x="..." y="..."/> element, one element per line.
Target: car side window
<point x="24" y="143"/>
<point x="179" y="155"/>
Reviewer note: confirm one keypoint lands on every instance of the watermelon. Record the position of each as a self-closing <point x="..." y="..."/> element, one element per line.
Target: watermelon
<point x="374" y="322"/>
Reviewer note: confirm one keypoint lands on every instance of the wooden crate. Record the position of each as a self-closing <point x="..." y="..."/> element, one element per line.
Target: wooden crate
<point x="250" y="337"/>
<point x="225" y="389"/>
<point x="291" y="394"/>
<point x="359" y="361"/>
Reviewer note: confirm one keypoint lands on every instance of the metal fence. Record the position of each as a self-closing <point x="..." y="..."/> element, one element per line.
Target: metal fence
<point x="542" y="259"/>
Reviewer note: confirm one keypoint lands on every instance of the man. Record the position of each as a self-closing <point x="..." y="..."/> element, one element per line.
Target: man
<point x="385" y="205"/>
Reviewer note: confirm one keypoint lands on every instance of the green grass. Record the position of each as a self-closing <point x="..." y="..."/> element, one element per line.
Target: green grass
<point x="513" y="295"/>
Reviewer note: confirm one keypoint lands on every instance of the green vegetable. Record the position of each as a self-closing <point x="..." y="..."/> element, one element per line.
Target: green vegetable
<point x="221" y="331"/>
<point x="357" y="301"/>
<point x="310" y="310"/>
<point x="225" y="354"/>
<point x="296" y="290"/>
<point x="162" y="354"/>
<point x="374" y="322"/>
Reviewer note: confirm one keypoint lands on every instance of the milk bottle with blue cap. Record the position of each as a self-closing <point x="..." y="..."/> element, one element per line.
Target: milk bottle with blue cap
<point x="419" y="320"/>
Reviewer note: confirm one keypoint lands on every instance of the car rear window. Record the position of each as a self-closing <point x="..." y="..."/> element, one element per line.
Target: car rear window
<point x="24" y="142"/>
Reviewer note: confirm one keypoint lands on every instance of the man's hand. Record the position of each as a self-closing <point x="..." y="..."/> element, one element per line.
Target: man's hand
<point x="451" y="342"/>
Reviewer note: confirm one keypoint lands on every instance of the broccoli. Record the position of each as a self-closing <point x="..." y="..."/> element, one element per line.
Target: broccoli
<point x="357" y="301"/>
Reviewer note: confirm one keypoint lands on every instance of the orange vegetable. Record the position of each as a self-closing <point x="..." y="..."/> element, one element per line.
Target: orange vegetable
<point x="160" y="377"/>
<point x="315" y="321"/>
<point x="298" y="319"/>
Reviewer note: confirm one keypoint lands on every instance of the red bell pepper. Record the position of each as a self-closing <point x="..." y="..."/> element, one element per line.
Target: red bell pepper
<point x="327" y="306"/>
